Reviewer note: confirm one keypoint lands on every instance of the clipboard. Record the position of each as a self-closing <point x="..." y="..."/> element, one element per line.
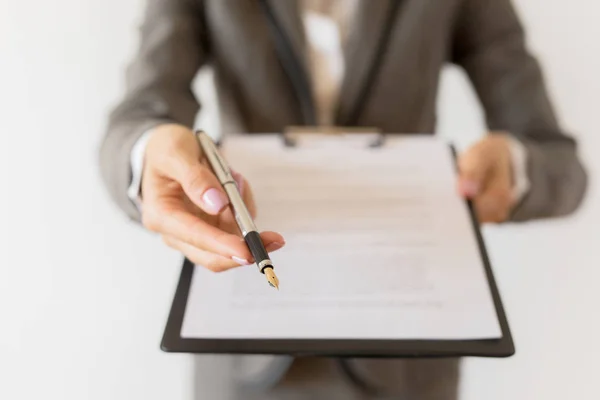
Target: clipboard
<point x="173" y="342"/>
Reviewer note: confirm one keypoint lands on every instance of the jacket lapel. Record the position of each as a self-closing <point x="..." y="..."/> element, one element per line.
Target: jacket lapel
<point x="285" y="19"/>
<point x="365" y="44"/>
<point x="289" y="15"/>
<point x="362" y="52"/>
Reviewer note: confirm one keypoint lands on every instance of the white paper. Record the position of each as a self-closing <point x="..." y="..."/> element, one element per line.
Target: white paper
<point x="379" y="246"/>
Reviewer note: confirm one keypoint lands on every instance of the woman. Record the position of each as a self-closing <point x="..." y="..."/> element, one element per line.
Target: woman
<point x="347" y="63"/>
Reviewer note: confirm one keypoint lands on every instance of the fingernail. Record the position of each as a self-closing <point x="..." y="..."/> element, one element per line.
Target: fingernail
<point x="469" y="188"/>
<point x="238" y="180"/>
<point x="240" y="261"/>
<point x="214" y="200"/>
<point x="274" y="246"/>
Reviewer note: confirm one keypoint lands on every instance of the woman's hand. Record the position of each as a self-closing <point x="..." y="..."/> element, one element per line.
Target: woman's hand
<point x="486" y="177"/>
<point x="183" y="201"/>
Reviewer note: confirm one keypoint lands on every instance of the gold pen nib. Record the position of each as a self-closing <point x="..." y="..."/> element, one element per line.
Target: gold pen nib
<point x="272" y="278"/>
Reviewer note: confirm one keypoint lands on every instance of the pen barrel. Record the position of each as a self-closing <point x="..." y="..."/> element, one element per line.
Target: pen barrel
<point x="240" y="211"/>
<point x="257" y="248"/>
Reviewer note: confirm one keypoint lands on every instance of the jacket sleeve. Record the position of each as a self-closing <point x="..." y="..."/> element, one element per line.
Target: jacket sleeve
<point x="489" y="43"/>
<point x="158" y="88"/>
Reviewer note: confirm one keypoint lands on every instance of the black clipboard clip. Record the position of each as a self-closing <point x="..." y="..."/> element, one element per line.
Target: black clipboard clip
<point x="291" y="135"/>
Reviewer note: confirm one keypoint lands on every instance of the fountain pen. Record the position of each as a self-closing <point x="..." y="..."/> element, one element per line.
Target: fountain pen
<point x="238" y="207"/>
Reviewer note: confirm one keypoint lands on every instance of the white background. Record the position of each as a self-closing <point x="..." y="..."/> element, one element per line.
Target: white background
<point x="84" y="293"/>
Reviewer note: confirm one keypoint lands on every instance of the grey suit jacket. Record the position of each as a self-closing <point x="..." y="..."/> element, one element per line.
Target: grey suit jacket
<point x="394" y="56"/>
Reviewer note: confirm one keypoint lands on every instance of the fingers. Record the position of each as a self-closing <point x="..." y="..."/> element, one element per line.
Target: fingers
<point x="474" y="165"/>
<point x="493" y="206"/>
<point x="212" y="261"/>
<point x="170" y="218"/>
<point x="174" y="221"/>
<point x="486" y="178"/>
<point x="273" y="241"/>
<point x="216" y="262"/>
<point x="200" y="185"/>
<point x="175" y="154"/>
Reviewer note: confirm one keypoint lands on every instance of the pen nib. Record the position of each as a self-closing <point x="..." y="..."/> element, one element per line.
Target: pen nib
<point x="272" y="278"/>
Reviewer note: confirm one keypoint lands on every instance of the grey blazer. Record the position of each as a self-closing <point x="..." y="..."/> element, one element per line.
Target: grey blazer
<point x="394" y="56"/>
<point x="395" y="53"/>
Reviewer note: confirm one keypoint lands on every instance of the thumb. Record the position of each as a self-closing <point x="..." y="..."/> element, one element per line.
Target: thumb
<point x="198" y="182"/>
<point x="473" y="166"/>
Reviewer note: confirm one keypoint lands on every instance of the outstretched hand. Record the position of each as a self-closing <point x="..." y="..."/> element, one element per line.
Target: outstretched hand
<point x="184" y="202"/>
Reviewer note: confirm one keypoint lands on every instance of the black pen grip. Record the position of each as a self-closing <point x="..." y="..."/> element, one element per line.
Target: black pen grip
<point x="256" y="247"/>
